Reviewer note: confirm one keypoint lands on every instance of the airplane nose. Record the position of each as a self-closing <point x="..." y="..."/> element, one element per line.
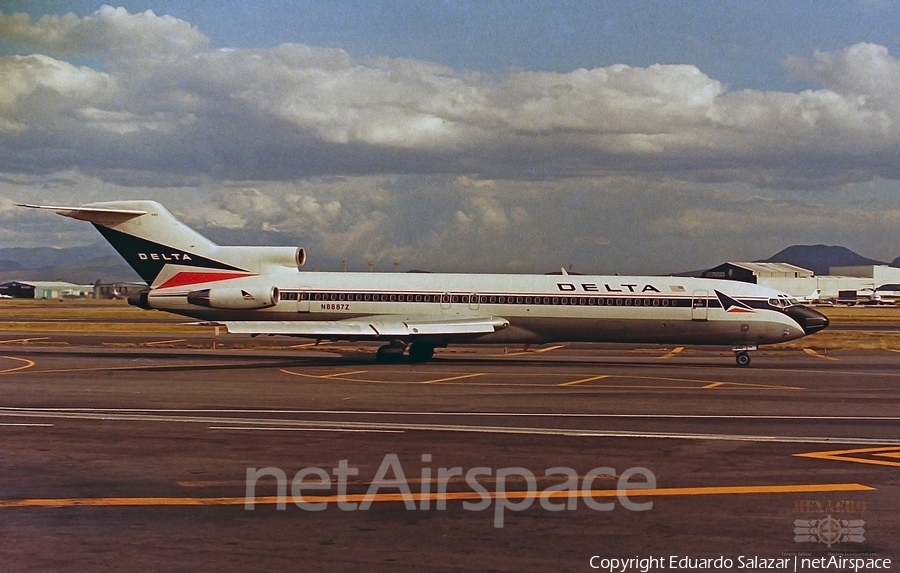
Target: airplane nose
<point x="809" y="320"/>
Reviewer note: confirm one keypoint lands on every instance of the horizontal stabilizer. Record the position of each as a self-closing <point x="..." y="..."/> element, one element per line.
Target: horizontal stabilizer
<point x="101" y="216"/>
<point x="372" y="328"/>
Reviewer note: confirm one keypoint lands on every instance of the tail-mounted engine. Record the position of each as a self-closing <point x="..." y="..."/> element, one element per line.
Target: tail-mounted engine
<point x="234" y="298"/>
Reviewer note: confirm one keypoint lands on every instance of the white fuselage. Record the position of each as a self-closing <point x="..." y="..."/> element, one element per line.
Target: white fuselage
<point x="539" y="308"/>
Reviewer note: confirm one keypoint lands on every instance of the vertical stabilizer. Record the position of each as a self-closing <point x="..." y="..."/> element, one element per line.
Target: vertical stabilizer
<point x="147" y="236"/>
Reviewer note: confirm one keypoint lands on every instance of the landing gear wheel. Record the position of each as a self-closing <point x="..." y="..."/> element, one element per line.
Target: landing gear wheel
<point x="742" y="358"/>
<point x="419" y="352"/>
<point x="389" y="353"/>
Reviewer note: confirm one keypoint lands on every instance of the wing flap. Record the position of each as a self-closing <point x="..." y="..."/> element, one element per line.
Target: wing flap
<point x="362" y="328"/>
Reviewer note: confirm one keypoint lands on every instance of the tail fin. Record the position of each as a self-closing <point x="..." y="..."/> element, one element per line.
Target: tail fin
<point x="149" y="237"/>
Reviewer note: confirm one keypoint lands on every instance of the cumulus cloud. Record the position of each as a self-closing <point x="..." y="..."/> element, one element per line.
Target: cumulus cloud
<point x="617" y="169"/>
<point x="163" y="100"/>
<point x="611" y="224"/>
<point x="110" y="33"/>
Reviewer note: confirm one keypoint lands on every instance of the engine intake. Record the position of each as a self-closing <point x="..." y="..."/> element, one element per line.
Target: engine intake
<point x="234" y="298"/>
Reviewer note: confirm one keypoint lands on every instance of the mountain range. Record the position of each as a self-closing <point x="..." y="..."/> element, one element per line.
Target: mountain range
<point x="820" y="258"/>
<point x="87" y="264"/>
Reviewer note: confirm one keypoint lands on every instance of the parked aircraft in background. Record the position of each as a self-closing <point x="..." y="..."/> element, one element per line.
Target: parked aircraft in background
<point x="262" y="290"/>
<point x="813" y="297"/>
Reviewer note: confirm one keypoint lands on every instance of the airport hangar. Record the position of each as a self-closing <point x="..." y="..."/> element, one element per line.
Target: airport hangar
<point x="800" y="282"/>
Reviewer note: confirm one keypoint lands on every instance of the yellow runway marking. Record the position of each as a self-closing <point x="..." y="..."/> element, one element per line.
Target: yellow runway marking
<point x="24" y="339"/>
<point x="848" y="456"/>
<point x="28" y="364"/>
<point x="334" y="376"/>
<point x="815" y="354"/>
<point x="675" y="351"/>
<point x="165" y="341"/>
<point x="538" y="351"/>
<point x="118" y="368"/>
<point x="685" y="383"/>
<point x="283" y="429"/>
<point x="709" y="384"/>
<point x="549" y="348"/>
<point x="450" y="496"/>
<point x="591" y="379"/>
<point x="464" y="376"/>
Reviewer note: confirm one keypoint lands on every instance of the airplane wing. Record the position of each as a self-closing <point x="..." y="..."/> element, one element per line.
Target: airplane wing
<point x="368" y="327"/>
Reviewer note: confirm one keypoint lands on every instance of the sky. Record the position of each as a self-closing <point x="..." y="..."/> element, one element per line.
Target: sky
<point x="503" y="136"/>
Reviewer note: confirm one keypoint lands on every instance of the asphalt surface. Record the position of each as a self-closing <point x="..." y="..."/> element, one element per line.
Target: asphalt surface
<point x="132" y="454"/>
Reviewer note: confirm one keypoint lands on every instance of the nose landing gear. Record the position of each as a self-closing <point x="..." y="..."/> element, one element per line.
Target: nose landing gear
<point x="742" y="355"/>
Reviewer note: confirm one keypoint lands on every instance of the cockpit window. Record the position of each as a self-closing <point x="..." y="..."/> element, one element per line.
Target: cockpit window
<point x="793" y="301"/>
<point x="774" y="302"/>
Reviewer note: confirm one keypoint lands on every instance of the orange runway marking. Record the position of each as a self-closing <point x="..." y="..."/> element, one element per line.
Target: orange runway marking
<point x="591" y="379"/>
<point x="450" y="496"/>
<point x="850" y="456"/>
<point x="28" y="364"/>
<point x="815" y="354"/>
<point x="462" y="377"/>
<point x="675" y="351"/>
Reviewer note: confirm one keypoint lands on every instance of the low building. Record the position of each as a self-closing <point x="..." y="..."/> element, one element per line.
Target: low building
<point x="793" y="280"/>
<point x="104" y="290"/>
<point x="16" y="289"/>
<point x="878" y="274"/>
<point x="753" y="272"/>
<point x="45" y="289"/>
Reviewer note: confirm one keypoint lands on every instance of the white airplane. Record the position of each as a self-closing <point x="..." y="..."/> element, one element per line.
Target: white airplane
<point x="261" y="290"/>
<point x="814" y="296"/>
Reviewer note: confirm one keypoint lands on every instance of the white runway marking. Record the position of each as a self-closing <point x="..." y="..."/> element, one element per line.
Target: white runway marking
<point x="282" y="429"/>
<point x="427" y="413"/>
<point x="24" y="340"/>
<point x="166" y="417"/>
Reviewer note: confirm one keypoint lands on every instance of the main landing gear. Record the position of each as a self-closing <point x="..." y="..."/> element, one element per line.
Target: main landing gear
<point x="419" y="352"/>
<point x="742" y="355"/>
<point x="393" y="352"/>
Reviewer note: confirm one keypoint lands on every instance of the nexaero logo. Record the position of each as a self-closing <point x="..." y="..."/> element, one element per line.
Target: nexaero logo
<point x="829" y="530"/>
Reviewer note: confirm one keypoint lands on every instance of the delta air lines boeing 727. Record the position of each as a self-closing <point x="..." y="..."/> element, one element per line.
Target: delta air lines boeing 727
<point x="262" y="290"/>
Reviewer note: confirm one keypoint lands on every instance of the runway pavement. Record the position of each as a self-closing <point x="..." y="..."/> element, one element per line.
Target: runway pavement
<point x="132" y="454"/>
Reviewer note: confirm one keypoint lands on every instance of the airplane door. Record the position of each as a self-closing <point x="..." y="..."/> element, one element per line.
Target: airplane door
<point x="445" y="302"/>
<point x="303" y="302"/>
<point x="473" y="302"/>
<point x="700" y="305"/>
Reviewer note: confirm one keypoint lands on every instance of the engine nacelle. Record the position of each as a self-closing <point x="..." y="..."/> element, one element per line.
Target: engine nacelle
<point x="262" y="259"/>
<point x="300" y="257"/>
<point x="234" y="298"/>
